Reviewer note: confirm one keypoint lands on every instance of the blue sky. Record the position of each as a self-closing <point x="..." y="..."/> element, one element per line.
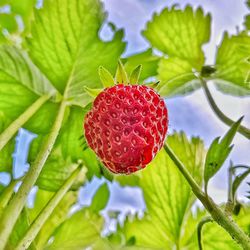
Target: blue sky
<point x="191" y="113"/>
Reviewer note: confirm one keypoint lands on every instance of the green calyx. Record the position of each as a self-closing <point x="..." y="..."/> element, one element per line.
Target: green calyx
<point x="121" y="77"/>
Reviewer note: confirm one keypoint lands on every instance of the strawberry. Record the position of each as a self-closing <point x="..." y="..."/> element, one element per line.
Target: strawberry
<point x="126" y="127"/>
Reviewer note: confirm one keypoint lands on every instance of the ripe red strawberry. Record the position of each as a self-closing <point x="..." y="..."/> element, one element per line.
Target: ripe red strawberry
<point x="126" y="127"/>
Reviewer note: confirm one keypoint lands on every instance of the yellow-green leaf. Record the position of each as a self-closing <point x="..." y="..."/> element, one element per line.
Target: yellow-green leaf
<point x="233" y="65"/>
<point x="180" y="33"/>
<point x="167" y="195"/>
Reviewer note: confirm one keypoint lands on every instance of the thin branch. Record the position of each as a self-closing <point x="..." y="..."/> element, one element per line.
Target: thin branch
<point x="199" y="229"/>
<point x="36" y="226"/>
<point x="13" y="210"/>
<point x="242" y="130"/>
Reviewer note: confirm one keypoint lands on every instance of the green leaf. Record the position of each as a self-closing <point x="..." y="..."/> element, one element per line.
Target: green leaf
<point x="80" y="231"/>
<point x="247" y="22"/>
<point x="55" y="172"/>
<point x="135" y="75"/>
<point x="106" y="77"/>
<point x="219" y="151"/>
<point x="167" y="195"/>
<point x="23" y="8"/>
<point x="148" y="61"/>
<point x="15" y="65"/>
<point x="42" y="120"/>
<point x="65" y="45"/>
<point x="2" y="187"/>
<point x="121" y="75"/>
<point x="8" y="21"/>
<point x="100" y="198"/>
<point x="6" y="160"/>
<point x="238" y="180"/>
<point x="180" y="33"/>
<point x="233" y="66"/>
<point x="21" y="83"/>
<point x="176" y="77"/>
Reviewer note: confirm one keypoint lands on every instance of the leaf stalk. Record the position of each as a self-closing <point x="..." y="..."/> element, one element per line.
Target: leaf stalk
<point x="242" y="130"/>
<point x="14" y="208"/>
<point x="36" y="226"/>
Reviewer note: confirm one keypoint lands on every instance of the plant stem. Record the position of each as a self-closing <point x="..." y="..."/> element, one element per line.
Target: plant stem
<point x="16" y="205"/>
<point x="199" y="229"/>
<point x="34" y="229"/>
<point x="242" y="130"/>
<point x="6" y="195"/>
<point x="11" y="130"/>
<point x="217" y="214"/>
<point x="230" y="201"/>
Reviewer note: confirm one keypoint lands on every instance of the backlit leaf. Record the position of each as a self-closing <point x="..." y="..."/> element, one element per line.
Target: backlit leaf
<point x="233" y="65"/>
<point x="58" y="216"/>
<point x="100" y="198"/>
<point x="180" y="33"/>
<point x="148" y="61"/>
<point x="79" y="231"/>
<point x="65" y="44"/>
<point x="176" y="77"/>
<point x="167" y="195"/>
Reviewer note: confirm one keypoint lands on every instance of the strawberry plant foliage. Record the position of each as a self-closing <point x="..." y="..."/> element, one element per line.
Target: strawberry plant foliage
<point x="233" y="65"/>
<point x="48" y="81"/>
<point x="74" y="51"/>
<point x="218" y="152"/>
<point x="65" y="44"/>
<point x="149" y="63"/>
<point x="72" y="65"/>
<point x="179" y="34"/>
<point x="167" y="204"/>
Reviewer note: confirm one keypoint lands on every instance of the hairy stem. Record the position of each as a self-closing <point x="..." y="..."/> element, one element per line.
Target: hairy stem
<point x="242" y="130"/>
<point x="216" y="213"/>
<point x="11" y="130"/>
<point x="46" y="212"/>
<point x="13" y="210"/>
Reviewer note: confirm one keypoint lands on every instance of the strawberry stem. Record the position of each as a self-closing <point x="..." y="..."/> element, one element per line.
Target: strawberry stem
<point x="242" y="130"/>
<point x="215" y="211"/>
<point x="14" y="208"/>
<point x="7" y="194"/>
<point x="34" y="229"/>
